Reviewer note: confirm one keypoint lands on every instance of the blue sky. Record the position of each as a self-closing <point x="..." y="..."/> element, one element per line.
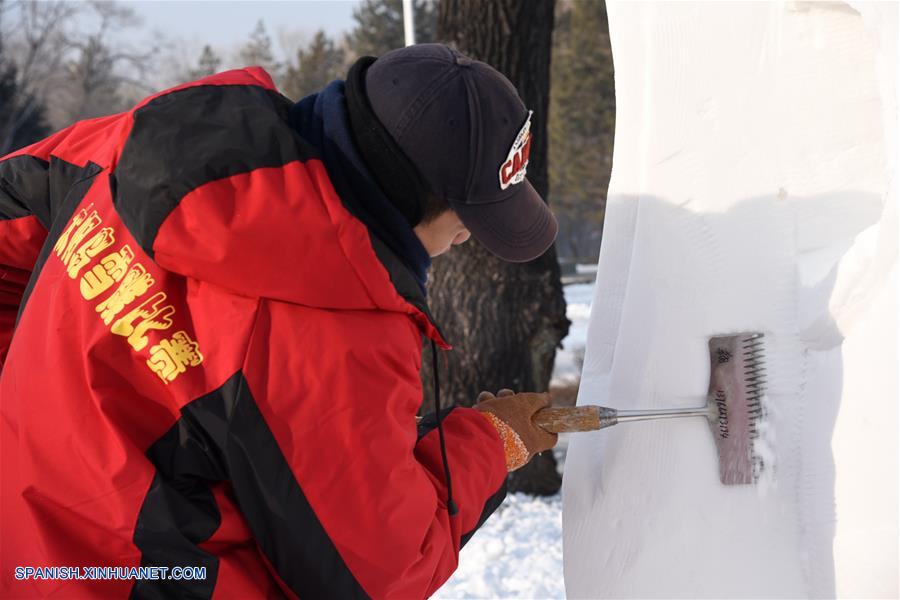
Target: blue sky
<point x="180" y="29"/>
<point x="226" y="24"/>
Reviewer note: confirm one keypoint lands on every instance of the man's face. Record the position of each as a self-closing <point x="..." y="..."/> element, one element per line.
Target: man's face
<point x="442" y="233"/>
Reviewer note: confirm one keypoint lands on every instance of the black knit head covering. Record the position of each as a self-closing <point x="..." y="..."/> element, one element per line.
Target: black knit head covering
<point x="391" y="168"/>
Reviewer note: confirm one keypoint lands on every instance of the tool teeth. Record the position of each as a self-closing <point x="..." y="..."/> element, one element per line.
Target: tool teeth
<point x="755" y="377"/>
<point x="737" y="386"/>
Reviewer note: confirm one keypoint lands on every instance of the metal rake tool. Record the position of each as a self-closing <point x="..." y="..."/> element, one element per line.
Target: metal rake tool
<point x="733" y="407"/>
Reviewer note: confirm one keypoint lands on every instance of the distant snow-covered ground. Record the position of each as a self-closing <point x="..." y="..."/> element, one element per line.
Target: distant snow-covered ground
<point x="518" y="551"/>
<point x="567" y="368"/>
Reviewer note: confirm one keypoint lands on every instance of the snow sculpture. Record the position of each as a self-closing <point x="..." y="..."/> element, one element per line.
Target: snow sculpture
<point x="754" y="188"/>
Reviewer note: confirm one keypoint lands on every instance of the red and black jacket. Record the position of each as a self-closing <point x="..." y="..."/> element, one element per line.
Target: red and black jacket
<point x="208" y="361"/>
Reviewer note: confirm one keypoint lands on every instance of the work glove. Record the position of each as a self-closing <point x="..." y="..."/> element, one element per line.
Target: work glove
<point x="511" y="414"/>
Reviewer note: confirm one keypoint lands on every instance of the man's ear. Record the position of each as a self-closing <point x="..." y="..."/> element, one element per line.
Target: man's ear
<point x="433" y="207"/>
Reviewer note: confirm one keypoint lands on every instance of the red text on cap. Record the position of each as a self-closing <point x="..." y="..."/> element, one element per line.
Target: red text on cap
<point x="512" y="171"/>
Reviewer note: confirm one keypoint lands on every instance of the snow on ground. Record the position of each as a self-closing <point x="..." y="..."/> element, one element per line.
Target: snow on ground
<point x="516" y="554"/>
<point x="518" y="551"/>
<point x="568" y="360"/>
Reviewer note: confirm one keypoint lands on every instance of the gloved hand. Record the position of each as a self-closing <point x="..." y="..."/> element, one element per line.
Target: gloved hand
<point x="511" y="415"/>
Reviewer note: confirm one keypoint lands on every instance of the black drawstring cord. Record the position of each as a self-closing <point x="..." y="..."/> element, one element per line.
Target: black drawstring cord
<point x="451" y="505"/>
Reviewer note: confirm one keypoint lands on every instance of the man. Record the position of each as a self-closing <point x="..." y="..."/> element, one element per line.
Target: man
<point x="221" y="311"/>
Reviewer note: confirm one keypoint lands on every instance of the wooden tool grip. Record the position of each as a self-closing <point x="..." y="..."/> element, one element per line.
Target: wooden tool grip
<point x="558" y="419"/>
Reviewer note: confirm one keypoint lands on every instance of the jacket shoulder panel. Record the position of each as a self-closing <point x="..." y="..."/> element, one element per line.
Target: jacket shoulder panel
<point x="180" y="140"/>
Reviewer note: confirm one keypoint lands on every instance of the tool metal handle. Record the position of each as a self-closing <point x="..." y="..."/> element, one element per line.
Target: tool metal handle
<point x="557" y="419"/>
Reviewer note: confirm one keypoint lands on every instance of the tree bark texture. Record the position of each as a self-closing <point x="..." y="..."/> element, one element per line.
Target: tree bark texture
<point x="504" y="320"/>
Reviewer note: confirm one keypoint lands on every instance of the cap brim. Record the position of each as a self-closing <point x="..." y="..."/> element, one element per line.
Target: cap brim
<point x="517" y="229"/>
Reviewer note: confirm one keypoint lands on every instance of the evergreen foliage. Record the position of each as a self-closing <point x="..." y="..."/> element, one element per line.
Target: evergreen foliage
<point x="208" y="64"/>
<point x="257" y="52"/>
<point x="582" y="125"/>
<point x="379" y="26"/>
<point x="317" y="65"/>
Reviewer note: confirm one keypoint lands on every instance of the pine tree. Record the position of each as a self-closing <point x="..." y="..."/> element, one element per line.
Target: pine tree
<point x="257" y="52"/>
<point x="582" y="125"/>
<point x="208" y="63"/>
<point x="317" y="65"/>
<point x="379" y="26"/>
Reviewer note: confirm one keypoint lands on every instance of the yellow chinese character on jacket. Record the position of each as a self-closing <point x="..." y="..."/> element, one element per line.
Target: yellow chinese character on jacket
<point x="81" y="225"/>
<point x="101" y="240"/>
<point x="172" y="357"/>
<point x="135" y="284"/>
<point x="111" y="270"/>
<point x="148" y="315"/>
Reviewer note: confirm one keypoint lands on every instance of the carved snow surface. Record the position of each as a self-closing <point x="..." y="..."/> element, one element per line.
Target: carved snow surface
<point x="754" y="189"/>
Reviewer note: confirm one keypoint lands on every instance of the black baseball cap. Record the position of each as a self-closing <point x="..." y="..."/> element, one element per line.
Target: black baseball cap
<point x="468" y="134"/>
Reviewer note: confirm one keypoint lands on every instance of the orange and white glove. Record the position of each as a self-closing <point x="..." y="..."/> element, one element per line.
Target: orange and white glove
<point x="511" y="414"/>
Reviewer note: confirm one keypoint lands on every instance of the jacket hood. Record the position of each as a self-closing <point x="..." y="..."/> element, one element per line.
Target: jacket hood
<point x="323" y="119"/>
<point x="215" y="184"/>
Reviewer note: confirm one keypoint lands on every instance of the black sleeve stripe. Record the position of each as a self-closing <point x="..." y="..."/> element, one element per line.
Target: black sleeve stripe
<point x="223" y="436"/>
<point x="63" y="178"/>
<point x="178" y="513"/>
<point x="68" y="188"/>
<point x="429" y="424"/>
<point x="193" y="136"/>
<point x="33" y="186"/>
<point x="492" y="504"/>
<point x="24" y="178"/>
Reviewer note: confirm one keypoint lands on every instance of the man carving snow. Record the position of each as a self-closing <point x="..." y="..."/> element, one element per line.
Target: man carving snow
<point x="220" y="312"/>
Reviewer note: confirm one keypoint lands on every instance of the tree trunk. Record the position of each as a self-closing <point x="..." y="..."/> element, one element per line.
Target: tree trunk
<point x="504" y="320"/>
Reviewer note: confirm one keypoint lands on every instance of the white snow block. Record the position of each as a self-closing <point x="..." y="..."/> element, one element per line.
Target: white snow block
<point x="754" y="189"/>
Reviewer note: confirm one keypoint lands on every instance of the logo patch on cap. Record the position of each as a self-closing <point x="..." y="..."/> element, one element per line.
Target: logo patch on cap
<point x="512" y="171"/>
